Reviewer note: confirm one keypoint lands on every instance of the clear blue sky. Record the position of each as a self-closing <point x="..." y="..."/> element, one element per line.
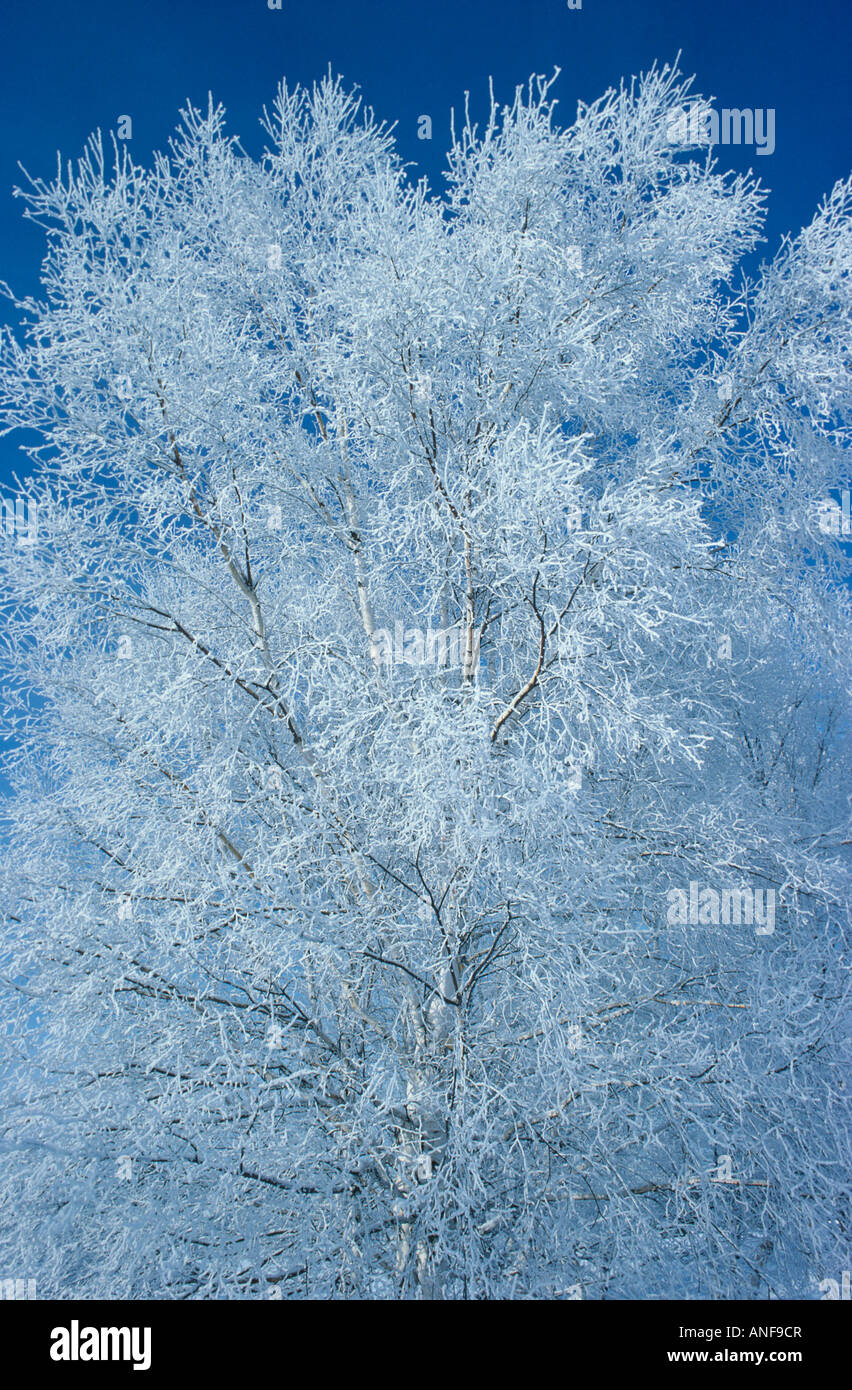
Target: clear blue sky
<point x="68" y="68"/>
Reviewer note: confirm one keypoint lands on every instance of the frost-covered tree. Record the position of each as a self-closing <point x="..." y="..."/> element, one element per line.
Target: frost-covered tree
<point x="427" y="696"/>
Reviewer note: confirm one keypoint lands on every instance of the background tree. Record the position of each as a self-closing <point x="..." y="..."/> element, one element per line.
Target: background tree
<point x="335" y="971"/>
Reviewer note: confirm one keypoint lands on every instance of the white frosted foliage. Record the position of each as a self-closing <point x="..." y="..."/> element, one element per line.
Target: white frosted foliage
<point x="427" y="593"/>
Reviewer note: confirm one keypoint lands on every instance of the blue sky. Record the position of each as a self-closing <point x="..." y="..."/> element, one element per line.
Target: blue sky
<point x="67" y="69"/>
